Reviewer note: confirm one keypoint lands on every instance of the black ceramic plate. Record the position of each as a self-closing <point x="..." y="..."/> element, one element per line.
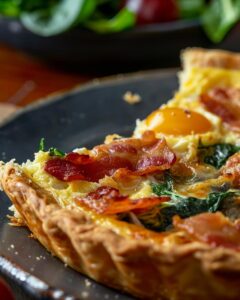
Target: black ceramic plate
<point x="82" y="117"/>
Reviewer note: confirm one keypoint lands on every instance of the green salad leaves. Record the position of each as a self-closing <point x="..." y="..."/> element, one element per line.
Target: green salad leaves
<point x="219" y="17"/>
<point x="57" y="17"/>
<point x="191" y="8"/>
<point x="51" y="17"/>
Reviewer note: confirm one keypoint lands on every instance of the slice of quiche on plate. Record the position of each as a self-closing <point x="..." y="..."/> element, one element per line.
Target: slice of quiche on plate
<point x="155" y="214"/>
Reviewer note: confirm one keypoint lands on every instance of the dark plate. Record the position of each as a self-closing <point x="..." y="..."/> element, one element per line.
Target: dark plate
<point x="144" y="47"/>
<point x="81" y="117"/>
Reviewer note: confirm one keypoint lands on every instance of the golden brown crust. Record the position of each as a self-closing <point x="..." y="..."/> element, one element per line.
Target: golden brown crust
<point x="198" y="57"/>
<point x="141" y="267"/>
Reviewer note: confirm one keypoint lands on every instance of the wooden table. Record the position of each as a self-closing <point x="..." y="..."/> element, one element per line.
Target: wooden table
<point x="24" y="79"/>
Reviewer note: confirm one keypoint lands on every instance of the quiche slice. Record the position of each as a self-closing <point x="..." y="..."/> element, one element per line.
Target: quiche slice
<point x="156" y="214"/>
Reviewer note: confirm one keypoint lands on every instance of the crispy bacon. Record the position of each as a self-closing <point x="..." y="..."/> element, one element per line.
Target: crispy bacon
<point x="80" y="159"/>
<point x="107" y="200"/>
<point x="127" y="180"/>
<point x="64" y="170"/>
<point x="93" y="170"/>
<point x="225" y="103"/>
<point x="138" y="156"/>
<point x="232" y="169"/>
<point x="212" y="228"/>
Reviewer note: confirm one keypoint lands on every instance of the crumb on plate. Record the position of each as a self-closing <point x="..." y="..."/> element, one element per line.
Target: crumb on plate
<point x="132" y="98"/>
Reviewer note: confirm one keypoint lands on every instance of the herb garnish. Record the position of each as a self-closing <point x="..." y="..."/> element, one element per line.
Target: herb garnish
<point x="55" y="152"/>
<point x="217" y="155"/>
<point x="42" y="145"/>
<point x="52" y="151"/>
<point x="181" y="205"/>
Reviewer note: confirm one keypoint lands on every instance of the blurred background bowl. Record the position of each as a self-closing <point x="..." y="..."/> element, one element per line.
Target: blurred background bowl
<point x="144" y="47"/>
<point x="150" y="46"/>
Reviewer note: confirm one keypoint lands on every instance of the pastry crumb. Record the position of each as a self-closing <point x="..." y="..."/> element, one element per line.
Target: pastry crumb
<point x="40" y="257"/>
<point x="85" y="294"/>
<point x="87" y="282"/>
<point x="12" y="246"/>
<point x="132" y="98"/>
<point x="111" y="138"/>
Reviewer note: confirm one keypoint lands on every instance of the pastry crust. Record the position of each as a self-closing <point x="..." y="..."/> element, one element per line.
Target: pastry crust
<point x="149" y="268"/>
<point x="198" y="57"/>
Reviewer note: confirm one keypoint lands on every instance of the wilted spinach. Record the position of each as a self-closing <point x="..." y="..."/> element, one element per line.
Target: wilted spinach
<point x="217" y="155"/>
<point x="181" y="205"/>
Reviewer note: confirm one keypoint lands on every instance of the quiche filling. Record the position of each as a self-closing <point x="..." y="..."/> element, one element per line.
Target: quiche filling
<point x="140" y="181"/>
<point x="179" y="171"/>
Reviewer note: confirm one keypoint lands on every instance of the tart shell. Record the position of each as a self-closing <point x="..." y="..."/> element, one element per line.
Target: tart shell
<point x="198" y="57"/>
<point x="140" y="264"/>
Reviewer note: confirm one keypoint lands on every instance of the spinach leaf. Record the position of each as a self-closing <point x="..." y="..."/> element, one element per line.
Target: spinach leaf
<point x="219" y="18"/>
<point x="181" y="205"/>
<point x="31" y="5"/>
<point x="122" y="20"/>
<point x="217" y="155"/>
<point x="58" y="16"/>
<point x="51" y="17"/>
<point x="10" y="8"/>
<point x="191" y="8"/>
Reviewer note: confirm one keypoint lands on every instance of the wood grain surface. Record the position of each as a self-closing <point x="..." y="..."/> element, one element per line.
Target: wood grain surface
<point x="24" y="79"/>
<point x="6" y="110"/>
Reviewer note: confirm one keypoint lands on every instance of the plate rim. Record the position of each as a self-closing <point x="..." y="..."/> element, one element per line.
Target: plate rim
<point x="31" y="284"/>
<point x="81" y="87"/>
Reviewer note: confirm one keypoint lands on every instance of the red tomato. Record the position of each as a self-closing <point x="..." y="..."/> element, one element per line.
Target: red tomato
<point x="153" y="11"/>
<point x="5" y="292"/>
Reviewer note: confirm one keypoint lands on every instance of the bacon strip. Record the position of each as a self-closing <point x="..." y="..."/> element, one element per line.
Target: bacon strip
<point x="225" y="103"/>
<point x="211" y="228"/>
<point x="137" y="156"/>
<point x="64" y="170"/>
<point x="108" y="201"/>
<point x="232" y="169"/>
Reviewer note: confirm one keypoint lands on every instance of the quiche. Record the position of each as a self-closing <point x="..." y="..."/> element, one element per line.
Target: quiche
<point x="157" y="214"/>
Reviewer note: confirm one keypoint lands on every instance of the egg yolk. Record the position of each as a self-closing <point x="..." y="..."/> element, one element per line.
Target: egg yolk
<point x="177" y="121"/>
